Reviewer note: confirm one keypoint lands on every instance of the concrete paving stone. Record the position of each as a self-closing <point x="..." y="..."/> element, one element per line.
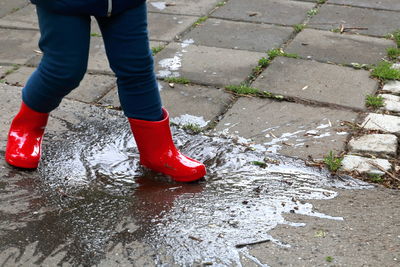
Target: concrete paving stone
<point x="7" y="7"/>
<point x="282" y="12"/>
<point x="392" y="87"/>
<point x="332" y="16"/>
<point x="206" y="65"/>
<point x="19" y="77"/>
<point x="381" y="122"/>
<point x="229" y="34"/>
<point x="288" y="128"/>
<point x="392" y="102"/>
<point x="183" y="7"/>
<point x="26" y="18"/>
<point x="165" y="27"/>
<point x="91" y="88"/>
<point x="339" y="48"/>
<point x="11" y="101"/>
<point x="187" y="100"/>
<point x="379" y="144"/>
<point x="4" y="69"/>
<point x="23" y="44"/>
<point x="352" y="163"/>
<point x="380" y="4"/>
<point x="370" y="229"/>
<point x="316" y="81"/>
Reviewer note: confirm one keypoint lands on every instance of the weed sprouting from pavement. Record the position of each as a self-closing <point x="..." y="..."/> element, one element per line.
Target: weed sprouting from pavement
<point x="178" y="80"/>
<point x="393" y="53"/>
<point x="374" y="101"/>
<point x="320" y="2"/>
<point x="200" y="21"/>
<point x="247" y="90"/>
<point x="243" y="89"/>
<point x="395" y="36"/>
<point x="312" y="12"/>
<point x="329" y="258"/>
<point x="192" y="127"/>
<point x="260" y="164"/>
<point x="333" y="162"/>
<point x="279" y="52"/>
<point x="95" y="34"/>
<point x="385" y="71"/>
<point x="221" y="3"/>
<point x="376" y="178"/>
<point x="157" y="49"/>
<point x="299" y="27"/>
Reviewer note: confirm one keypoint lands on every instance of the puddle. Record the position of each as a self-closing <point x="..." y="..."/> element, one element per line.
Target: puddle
<point x="94" y="205"/>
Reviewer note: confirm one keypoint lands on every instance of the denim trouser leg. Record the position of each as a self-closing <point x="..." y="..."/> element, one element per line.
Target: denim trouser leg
<point x="127" y="45"/>
<point x="65" y="44"/>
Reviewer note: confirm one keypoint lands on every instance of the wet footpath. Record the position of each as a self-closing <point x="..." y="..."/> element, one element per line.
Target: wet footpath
<point x="261" y="91"/>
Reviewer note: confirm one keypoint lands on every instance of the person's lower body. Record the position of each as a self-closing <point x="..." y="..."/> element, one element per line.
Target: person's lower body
<point x="65" y="45"/>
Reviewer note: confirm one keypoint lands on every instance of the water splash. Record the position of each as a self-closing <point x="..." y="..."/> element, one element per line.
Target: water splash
<point x="102" y="200"/>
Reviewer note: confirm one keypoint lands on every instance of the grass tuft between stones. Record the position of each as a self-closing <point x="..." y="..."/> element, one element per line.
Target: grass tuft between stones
<point x="374" y="101"/>
<point x="376" y="178"/>
<point x="157" y="49"/>
<point x="200" y="21"/>
<point x="333" y="162"/>
<point x="385" y="71"/>
<point x="279" y="52"/>
<point x="299" y="27"/>
<point x="178" y="80"/>
<point x="247" y="90"/>
<point x="192" y="127"/>
<point x="393" y="53"/>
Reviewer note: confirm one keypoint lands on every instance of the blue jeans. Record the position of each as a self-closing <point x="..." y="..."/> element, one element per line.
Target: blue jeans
<point x="65" y="45"/>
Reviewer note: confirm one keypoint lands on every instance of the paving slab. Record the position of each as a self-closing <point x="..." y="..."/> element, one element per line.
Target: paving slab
<point x="378" y="144"/>
<point x="7" y="7"/>
<point x="281" y="12"/>
<point x="26" y="18"/>
<point x="333" y="16"/>
<point x="321" y="82"/>
<point x="165" y="27"/>
<point x="380" y="4"/>
<point x="206" y="65"/>
<point x="288" y="128"/>
<point x="353" y="163"/>
<point x="19" y="76"/>
<point x="4" y="69"/>
<point x="382" y="122"/>
<point x="185" y="101"/>
<point x="91" y="88"/>
<point x="23" y="44"/>
<point x="183" y="7"/>
<point x="11" y="101"/>
<point x="229" y="34"/>
<point x="351" y="242"/>
<point x="339" y="48"/>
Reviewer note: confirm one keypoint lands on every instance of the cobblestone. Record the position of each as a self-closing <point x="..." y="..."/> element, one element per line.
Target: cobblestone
<point x="381" y="122"/>
<point x="379" y="144"/>
<point x="353" y="163"/>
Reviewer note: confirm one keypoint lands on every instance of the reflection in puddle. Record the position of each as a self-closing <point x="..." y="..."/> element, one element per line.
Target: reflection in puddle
<point x="94" y="204"/>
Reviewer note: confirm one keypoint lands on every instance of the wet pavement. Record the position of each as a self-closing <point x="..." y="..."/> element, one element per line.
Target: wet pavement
<point x="90" y="203"/>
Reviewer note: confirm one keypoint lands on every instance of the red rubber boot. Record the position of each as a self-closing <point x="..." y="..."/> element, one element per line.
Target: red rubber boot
<point x="25" y="138"/>
<point x="158" y="152"/>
